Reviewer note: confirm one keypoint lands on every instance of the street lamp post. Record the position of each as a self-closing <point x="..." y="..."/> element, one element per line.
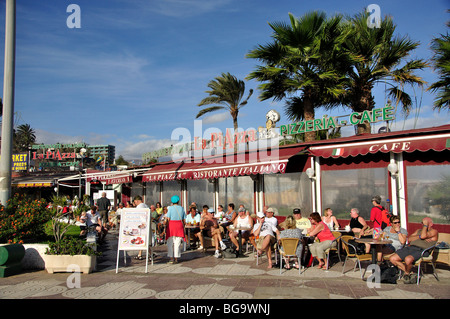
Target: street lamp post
<point x="8" y="102"/>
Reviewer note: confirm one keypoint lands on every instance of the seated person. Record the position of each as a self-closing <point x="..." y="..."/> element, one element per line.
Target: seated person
<point x="245" y="221"/>
<point x="359" y="227"/>
<point x="83" y="225"/>
<point x="94" y="219"/>
<point x="193" y="218"/>
<point x="210" y="228"/>
<point x="396" y="234"/>
<point x="265" y="236"/>
<point x="291" y="231"/>
<point x="423" y="238"/>
<point x="326" y="240"/>
<point x="302" y="223"/>
<point x="329" y="219"/>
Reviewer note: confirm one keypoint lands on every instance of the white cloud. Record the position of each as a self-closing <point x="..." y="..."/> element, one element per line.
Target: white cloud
<point x="216" y="118"/>
<point x="183" y="8"/>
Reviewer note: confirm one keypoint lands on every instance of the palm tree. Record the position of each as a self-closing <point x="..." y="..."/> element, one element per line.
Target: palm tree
<point x="226" y="93"/>
<point x="302" y="65"/>
<point x="24" y="137"/>
<point x="441" y="61"/>
<point x="381" y="55"/>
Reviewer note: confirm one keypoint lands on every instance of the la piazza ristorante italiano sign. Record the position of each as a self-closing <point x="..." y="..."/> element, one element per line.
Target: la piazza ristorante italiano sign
<point x="231" y="138"/>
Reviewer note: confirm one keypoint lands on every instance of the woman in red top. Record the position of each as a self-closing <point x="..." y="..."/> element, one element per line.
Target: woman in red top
<point x="325" y="236"/>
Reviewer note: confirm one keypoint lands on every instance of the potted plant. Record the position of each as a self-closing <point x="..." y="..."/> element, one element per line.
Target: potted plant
<point x="68" y="251"/>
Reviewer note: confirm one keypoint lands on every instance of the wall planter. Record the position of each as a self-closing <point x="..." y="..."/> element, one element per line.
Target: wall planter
<point x="67" y="263"/>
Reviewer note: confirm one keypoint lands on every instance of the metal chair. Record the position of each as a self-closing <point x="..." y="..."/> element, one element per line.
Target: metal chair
<point x="428" y="259"/>
<point x="337" y="237"/>
<point x="354" y="255"/>
<point x="288" y="249"/>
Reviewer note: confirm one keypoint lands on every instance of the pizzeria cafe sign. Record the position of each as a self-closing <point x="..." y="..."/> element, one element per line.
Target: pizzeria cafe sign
<point x="231" y="138"/>
<point x="386" y="113"/>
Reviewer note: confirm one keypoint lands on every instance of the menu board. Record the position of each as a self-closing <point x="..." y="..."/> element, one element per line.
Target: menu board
<point x="134" y="233"/>
<point x="134" y="229"/>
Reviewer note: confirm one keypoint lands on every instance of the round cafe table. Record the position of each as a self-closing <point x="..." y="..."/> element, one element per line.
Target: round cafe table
<point x="240" y="229"/>
<point x="189" y="227"/>
<point x="373" y="242"/>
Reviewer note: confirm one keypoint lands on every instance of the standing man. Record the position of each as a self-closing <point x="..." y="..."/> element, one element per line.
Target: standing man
<point x="137" y="202"/>
<point x="104" y="205"/>
<point x="375" y="212"/>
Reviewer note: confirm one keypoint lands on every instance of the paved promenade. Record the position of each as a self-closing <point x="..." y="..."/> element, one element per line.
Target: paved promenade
<point x="202" y="276"/>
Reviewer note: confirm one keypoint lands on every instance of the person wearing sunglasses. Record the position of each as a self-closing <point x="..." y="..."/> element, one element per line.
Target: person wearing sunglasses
<point x="397" y="234"/>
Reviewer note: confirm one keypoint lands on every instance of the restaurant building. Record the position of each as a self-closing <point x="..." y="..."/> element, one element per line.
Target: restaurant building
<point x="408" y="169"/>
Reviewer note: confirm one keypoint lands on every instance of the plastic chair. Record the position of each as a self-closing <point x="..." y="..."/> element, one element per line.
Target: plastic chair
<point x="426" y="260"/>
<point x="359" y="258"/>
<point x="337" y="237"/>
<point x="288" y="249"/>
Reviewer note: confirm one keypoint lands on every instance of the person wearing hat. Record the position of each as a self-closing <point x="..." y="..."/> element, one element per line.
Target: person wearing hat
<point x="270" y="218"/>
<point x="375" y="212"/>
<point x="265" y="236"/>
<point x="210" y="228"/>
<point x="175" y="229"/>
<point x="302" y="223"/>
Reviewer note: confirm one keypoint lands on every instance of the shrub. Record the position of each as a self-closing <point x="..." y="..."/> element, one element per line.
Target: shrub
<point x="22" y="219"/>
<point x="71" y="246"/>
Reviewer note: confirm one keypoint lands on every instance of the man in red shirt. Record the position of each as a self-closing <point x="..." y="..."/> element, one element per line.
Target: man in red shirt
<point x="375" y="213"/>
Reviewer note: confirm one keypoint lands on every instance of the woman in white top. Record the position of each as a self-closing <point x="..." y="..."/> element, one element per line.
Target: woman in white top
<point x="329" y="219"/>
<point x="241" y="221"/>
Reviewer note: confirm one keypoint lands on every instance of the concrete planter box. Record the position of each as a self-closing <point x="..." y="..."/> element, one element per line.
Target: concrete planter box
<point x="66" y="263"/>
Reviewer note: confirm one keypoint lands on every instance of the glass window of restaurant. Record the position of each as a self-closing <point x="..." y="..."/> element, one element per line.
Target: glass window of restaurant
<point x="237" y="190"/>
<point x="429" y="193"/>
<point x="345" y="189"/>
<point x="170" y="188"/>
<point x="136" y="189"/>
<point x="201" y="192"/>
<point x="152" y="193"/>
<point x="288" y="191"/>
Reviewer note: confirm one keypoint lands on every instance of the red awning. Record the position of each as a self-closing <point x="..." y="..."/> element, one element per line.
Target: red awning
<point x="249" y="163"/>
<point x="396" y="145"/>
<point x="116" y="177"/>
<point x="166" y="172"/>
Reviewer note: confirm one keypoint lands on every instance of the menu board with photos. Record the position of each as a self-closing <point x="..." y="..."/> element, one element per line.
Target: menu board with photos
<point x="134" y="229"/>
<point x="134" y="233"/>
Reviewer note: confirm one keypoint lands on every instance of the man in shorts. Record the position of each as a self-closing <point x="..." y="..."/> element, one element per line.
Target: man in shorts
<point x="265" y="236"/>
<point x="423" y="238"/>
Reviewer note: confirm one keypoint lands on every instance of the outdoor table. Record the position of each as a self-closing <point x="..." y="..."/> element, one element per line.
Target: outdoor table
<point x="189" y="227"/>
<point x="372" y="243"/>
<point x="240" y="229"/>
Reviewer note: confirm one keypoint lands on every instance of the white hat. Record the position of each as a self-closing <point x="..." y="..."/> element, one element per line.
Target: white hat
<point x="260" y="214"/>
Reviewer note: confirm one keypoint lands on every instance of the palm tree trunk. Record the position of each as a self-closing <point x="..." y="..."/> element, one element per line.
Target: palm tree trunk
<point x="235" y="125"/>
<point x="366" y="103"/>
<point x="309" y="115"/>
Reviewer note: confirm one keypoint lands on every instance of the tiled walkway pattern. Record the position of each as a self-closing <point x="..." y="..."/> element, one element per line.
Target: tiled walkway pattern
<point x="201" y="276"/>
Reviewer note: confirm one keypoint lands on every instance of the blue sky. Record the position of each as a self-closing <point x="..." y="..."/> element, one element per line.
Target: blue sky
<point x="136" y="70"/>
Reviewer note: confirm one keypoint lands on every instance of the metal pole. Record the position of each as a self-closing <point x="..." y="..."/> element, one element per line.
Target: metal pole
<point x="8" y="102"/>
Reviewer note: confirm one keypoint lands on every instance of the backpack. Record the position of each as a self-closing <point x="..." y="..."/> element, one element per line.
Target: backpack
<point x="385" y="217"/>
<point x="389" y="274"/>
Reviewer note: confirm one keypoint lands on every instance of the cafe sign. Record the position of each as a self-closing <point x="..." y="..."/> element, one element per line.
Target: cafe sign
<point x="376" y="115"/>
